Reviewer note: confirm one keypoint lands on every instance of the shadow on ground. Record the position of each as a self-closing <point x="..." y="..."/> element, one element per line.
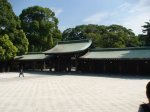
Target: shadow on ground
<point x="107" y="75"/>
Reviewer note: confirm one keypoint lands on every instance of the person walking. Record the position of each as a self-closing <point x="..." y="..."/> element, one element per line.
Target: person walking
<point x="146" y="107"/>
<point x="21" y="70"/>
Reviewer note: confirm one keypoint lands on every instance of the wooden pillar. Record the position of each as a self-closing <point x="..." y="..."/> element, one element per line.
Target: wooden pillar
<point x="34" y="65"/>
<point x="68" y="64"/>
<point x="90" y="64"/>
<point x="137" y="67"/>
<point x="76" y="62"/>
<point x="93" y="65"/>
<point x="44" y="65"/>
<point x="57" y="64"/>
<point x="120" y="67"/>
<point x="104" y="68"/>
<point x="50" y="65"/>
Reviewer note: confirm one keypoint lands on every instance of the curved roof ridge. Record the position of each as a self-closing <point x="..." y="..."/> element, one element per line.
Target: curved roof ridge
<point x="73" y="41"/>
<point x="69" y="47"/>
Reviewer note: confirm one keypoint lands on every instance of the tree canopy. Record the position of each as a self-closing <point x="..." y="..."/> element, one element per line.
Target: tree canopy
<point x="147" y="31"/>
<point x="40" y="26"/>
<point x="10" y="25"/>
<point x="7" y="49"/>
<point x="114" y="36"/>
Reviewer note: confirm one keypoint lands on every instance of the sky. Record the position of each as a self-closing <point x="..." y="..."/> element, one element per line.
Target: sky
<point x="131" y="14"/>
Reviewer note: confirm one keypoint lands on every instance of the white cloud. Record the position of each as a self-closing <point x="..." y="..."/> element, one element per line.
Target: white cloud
<point x="124" y="6"/>
<point x="62" y="28"/>
<point x="96" y="18"/>
<point x="132" y="16"/>
<point x="57" y="11"/>
<point x="142" y="5"/>
<point x="138" y="15"/>
<point x="136" y="22"/>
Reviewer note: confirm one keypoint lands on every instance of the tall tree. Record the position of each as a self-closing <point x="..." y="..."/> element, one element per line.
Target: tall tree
<point x="103" y="36"/>
<point x="40" y="26"/>
<point x="11" y="25"/>
<point x="125" y="36"/>
<point x="147" y="31"/>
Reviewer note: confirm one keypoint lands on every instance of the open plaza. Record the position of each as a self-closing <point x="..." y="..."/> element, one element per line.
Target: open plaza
<point x="74" y="56"/>
<point x="71" y="92"/>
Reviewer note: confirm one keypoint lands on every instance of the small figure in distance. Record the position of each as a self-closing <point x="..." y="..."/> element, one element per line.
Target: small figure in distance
<point x="21" y="70"/>
<point x="146" y="107"/>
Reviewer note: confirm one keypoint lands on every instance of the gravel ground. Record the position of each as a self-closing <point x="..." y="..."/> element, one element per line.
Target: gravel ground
<point x="55" y="92"/>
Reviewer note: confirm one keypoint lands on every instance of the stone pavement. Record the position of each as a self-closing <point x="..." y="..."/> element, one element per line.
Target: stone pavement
<point x="40" y="92"/>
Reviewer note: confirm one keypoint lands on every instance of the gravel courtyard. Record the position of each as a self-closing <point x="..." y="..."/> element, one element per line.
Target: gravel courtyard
<point x="47" y="92"/>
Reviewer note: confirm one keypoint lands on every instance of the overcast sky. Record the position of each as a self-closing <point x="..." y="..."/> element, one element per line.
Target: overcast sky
<point x="130" y="13"/>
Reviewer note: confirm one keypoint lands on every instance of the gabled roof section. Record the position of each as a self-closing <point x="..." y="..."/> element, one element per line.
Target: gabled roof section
<point x="69" y="47"/>
<point x="116" y="53"/>
<point x="34" y="57"/>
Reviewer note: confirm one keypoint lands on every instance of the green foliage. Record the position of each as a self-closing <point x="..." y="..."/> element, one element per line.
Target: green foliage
<point x="147" y="35"/>
<point x="40" y="26"/>
<point x="7" y="49"/>
<point x="114" y="36"/>
<point x="10" y="25"/>
<point x="20" y="41"/>
<point x="8" y="20"/>
<point x="111" y="40"/>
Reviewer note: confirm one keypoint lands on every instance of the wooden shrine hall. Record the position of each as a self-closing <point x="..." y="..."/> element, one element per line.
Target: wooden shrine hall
<point x="62" y="57"/>
<point x="69" y="56"/>
<point x="66" y="54"/>
<point x="116" y="60"/>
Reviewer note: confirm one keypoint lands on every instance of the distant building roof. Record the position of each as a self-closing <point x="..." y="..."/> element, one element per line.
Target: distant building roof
<point x="69" y="47"/>
<point x="116" y="53"/>
<point x="33" y="57"/>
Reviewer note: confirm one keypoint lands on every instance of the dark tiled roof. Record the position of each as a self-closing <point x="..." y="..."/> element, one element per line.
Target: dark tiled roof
<point x="69" y="47"/>
<point x="33" y="57"/>
<point x="116" y="53"/>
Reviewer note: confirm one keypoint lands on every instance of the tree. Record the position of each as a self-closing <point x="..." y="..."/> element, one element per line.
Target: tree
<point x="7" y="49"/>
<point x="103" y="36"/>
<point x="147" y="31"/>
<point x="111" y="40"/>
<point x="125" y="36"/>
<point x="10" y="25"/>
<point x="40" y="26"/>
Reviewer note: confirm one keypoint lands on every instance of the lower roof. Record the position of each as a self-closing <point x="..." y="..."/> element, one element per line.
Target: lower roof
<point x="115" y="53"/>
<point x="33" y="57"/>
